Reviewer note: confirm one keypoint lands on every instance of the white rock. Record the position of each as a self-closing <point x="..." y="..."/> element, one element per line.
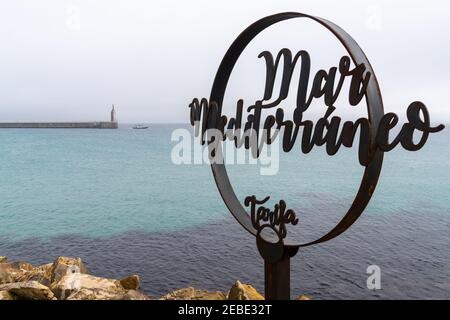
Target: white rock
<point x="71" y="283"/>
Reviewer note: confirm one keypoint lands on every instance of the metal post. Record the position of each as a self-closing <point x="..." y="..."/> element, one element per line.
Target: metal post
<point x="277" y="268"/>
<point x="278" y="279"/>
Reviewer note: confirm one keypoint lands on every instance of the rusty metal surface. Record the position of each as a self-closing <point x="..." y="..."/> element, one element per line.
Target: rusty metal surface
<point x="375" y="113"/>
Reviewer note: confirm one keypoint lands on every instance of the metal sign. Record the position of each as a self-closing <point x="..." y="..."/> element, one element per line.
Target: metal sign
<point x="329" y="131"/>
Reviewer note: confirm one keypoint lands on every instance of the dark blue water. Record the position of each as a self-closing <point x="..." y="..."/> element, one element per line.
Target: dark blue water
<point x="116" y="199"/>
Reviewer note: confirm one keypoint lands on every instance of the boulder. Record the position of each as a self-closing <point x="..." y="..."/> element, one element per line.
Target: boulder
<point x="65" y="278"/>
<point x="93" y="294"/>
<point x="64" y="265"/>
<point x="131" y="282"/>
<point x="193" y="294"/>
<point x="41" y="274"/>
<point x="6" y="295"/>
<point x="24" y="266"/>
<point x="89" y="286"/>
<point x="134" y="295"/>
<point x="30" y="290"/>
<point x="12" y="271"/>
<point x="100" y="294"/>
<point x="241" y="291"/>
<point x="5" y="276"/>
<point x="303" y="297"/>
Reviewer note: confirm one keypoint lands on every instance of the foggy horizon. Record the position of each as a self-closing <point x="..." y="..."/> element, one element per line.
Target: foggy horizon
<point x="71" y="60"/>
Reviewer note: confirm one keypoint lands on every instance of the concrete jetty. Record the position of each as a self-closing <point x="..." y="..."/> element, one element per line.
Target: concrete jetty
<point x="112" y="124"/>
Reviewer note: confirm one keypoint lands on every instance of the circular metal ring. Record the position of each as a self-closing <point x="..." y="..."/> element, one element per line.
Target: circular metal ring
<point x="374" y="108"/>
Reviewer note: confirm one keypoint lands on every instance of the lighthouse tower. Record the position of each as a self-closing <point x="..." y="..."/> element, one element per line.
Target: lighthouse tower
<point x="113" y="115"/>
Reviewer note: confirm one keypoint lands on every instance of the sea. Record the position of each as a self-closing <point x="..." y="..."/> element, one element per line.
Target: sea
<point x="119" y="200"/>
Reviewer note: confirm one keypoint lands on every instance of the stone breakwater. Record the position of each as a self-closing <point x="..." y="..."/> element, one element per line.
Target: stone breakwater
<point x="59" y="125"/>
<point x="68" y="279"/>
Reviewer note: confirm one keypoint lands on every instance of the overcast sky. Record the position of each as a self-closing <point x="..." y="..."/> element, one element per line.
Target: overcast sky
<point x="70" y="60"/>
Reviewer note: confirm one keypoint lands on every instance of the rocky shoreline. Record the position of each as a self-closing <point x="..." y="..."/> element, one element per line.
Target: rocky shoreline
<point x="68" y="279"/>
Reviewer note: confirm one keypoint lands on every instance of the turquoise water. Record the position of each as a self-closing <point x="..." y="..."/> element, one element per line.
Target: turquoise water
<point x="97" y="182"/>
<point x="102" y="182"/>
<point x="115" y="198"/>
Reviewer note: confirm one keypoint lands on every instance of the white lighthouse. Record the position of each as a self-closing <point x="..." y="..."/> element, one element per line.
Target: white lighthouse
<point x="113" y="115"/>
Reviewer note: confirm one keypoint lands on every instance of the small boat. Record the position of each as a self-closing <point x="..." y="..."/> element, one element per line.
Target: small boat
<point x="140" y="126"/>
